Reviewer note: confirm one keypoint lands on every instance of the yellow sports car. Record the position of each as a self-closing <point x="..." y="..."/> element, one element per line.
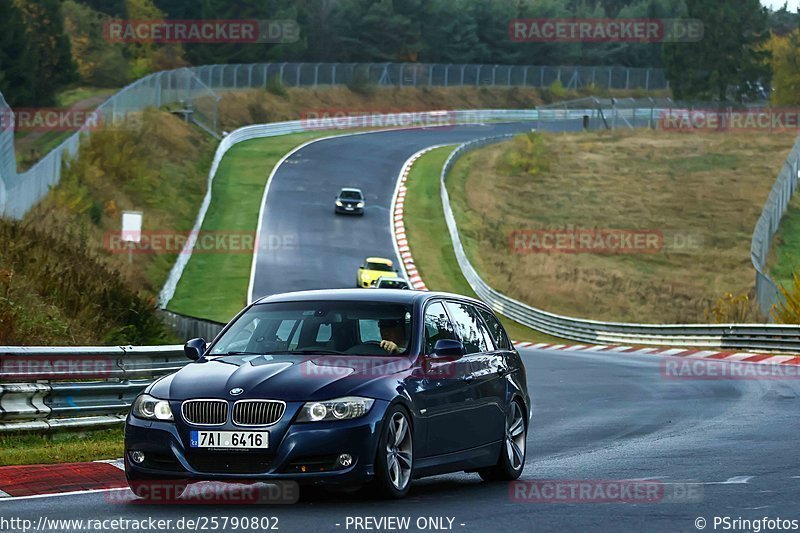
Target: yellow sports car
<point x="372" y="269"/>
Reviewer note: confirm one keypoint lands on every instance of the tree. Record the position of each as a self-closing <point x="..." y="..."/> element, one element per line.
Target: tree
<point x="17" y="80"/>
<point x="449" y="32"/>
<point x="785" y="65"/>
<point x="51" y="47"/>
<point x="730" y="57"/>
<point x="100" y="62"/>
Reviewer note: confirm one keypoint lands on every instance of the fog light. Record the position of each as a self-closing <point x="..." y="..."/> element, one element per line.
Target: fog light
<point x="345" y="459"/>
<point x="137" y="456"/>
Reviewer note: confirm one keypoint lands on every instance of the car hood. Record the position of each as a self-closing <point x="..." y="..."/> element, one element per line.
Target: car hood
<point x="280" y="377"/>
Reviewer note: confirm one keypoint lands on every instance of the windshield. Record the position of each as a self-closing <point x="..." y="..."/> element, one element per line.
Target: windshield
<point x="392" y="284"/>
<point x="358" y="328"/>
<point x="350" y="195"/>
<point x="378" y="266"/>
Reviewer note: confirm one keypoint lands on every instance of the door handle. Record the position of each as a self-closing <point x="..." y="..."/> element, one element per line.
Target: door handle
<point x="468" y="378"/>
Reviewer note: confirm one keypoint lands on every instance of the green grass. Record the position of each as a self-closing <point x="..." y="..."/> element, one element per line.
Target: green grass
<point x="60" y="447"/>
<point x="236" y="200"/>
<point x="785" y="257"/>
<point x="430" y="243"/>
<point x="70" y="97"/>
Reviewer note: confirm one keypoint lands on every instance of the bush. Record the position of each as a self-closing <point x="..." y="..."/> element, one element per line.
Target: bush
<point x="730" y="309"/>
<point x="527" y="156"/>
<point x="788" y="312"/>
<point x="361" y="83"/>
<point x="275" y="86"/>
<point x="54" y="289"/>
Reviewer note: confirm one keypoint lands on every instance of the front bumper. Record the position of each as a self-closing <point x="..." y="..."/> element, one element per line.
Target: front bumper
<point x="350" y="210"/>
<point x="169" y="457"/>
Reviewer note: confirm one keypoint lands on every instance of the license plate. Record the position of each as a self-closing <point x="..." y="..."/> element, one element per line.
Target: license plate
<point x="349" y="207"/>
<point x="229" y="439"/>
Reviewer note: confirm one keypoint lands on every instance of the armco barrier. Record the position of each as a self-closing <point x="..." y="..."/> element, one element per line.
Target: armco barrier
<point x="769" y="337"/>
<point x="76" y="388"/>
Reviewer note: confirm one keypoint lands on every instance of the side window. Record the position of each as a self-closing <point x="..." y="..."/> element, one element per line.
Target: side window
<point x="496" y="329"/>
<point x="469" y="327"/>
<point x="437" y="326"/>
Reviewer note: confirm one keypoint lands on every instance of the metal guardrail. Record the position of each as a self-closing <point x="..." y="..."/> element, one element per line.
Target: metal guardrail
<point x="77" y="388"/>
<point x="770" y="337"/>
<point x="767" y="292"/>
<point x="194" y="89"/>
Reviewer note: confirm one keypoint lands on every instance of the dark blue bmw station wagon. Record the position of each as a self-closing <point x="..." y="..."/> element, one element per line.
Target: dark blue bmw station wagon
<point x="338" y="387"/>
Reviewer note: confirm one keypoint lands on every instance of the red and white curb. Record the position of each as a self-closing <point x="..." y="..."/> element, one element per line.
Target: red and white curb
<point x="740" y="357"/>
<point x="398" y="226"/>
<point x="31" y="481"/>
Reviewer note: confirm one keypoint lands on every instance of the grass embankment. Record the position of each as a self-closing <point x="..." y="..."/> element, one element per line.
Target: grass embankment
<point x="430" y="241"/>
<point x="62" y="281"/>
<point x="785" y="254"/>
<point x="60" y="447"/>
<point x="278" y="103"/>
<point x="703" y="192"/>
<point x="31" y="146"/>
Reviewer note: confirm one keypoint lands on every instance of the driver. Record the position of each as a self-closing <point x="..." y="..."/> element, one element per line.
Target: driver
<point x="393" y="334"/>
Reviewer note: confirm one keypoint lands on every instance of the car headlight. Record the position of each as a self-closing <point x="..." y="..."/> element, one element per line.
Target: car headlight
<point x="338" y="203"/>
<point x="339" y="409"/>
<point x="360" y="204"/>
<point x="149" y="408"/>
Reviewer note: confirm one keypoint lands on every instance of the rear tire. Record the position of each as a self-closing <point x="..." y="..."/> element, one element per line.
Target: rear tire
<point x="512" y="455"/>
<point x="394" y="463"/>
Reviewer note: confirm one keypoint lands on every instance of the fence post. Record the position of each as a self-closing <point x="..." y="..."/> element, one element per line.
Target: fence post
<point x="297" y="74"/>
<point x="316" y="75"/>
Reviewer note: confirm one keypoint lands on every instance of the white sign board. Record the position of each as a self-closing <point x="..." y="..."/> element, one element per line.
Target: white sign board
<point x="132" y="226"/>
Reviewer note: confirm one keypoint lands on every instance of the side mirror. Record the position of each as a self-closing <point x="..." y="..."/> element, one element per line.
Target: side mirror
<point x="194" y="349"/>
<point x="448" y="348"/>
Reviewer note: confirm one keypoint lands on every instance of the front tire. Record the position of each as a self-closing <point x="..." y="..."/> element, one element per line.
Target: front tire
<point x="512" y="455"/>
<point x="394" y="464"/>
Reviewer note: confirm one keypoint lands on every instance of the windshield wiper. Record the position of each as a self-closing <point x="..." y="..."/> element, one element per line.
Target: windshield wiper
<point x="243" y="353"/>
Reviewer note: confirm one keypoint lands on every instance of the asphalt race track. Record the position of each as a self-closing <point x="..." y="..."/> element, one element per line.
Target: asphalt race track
<point x="303" y="244"/>
<point x="597" y="417"/>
